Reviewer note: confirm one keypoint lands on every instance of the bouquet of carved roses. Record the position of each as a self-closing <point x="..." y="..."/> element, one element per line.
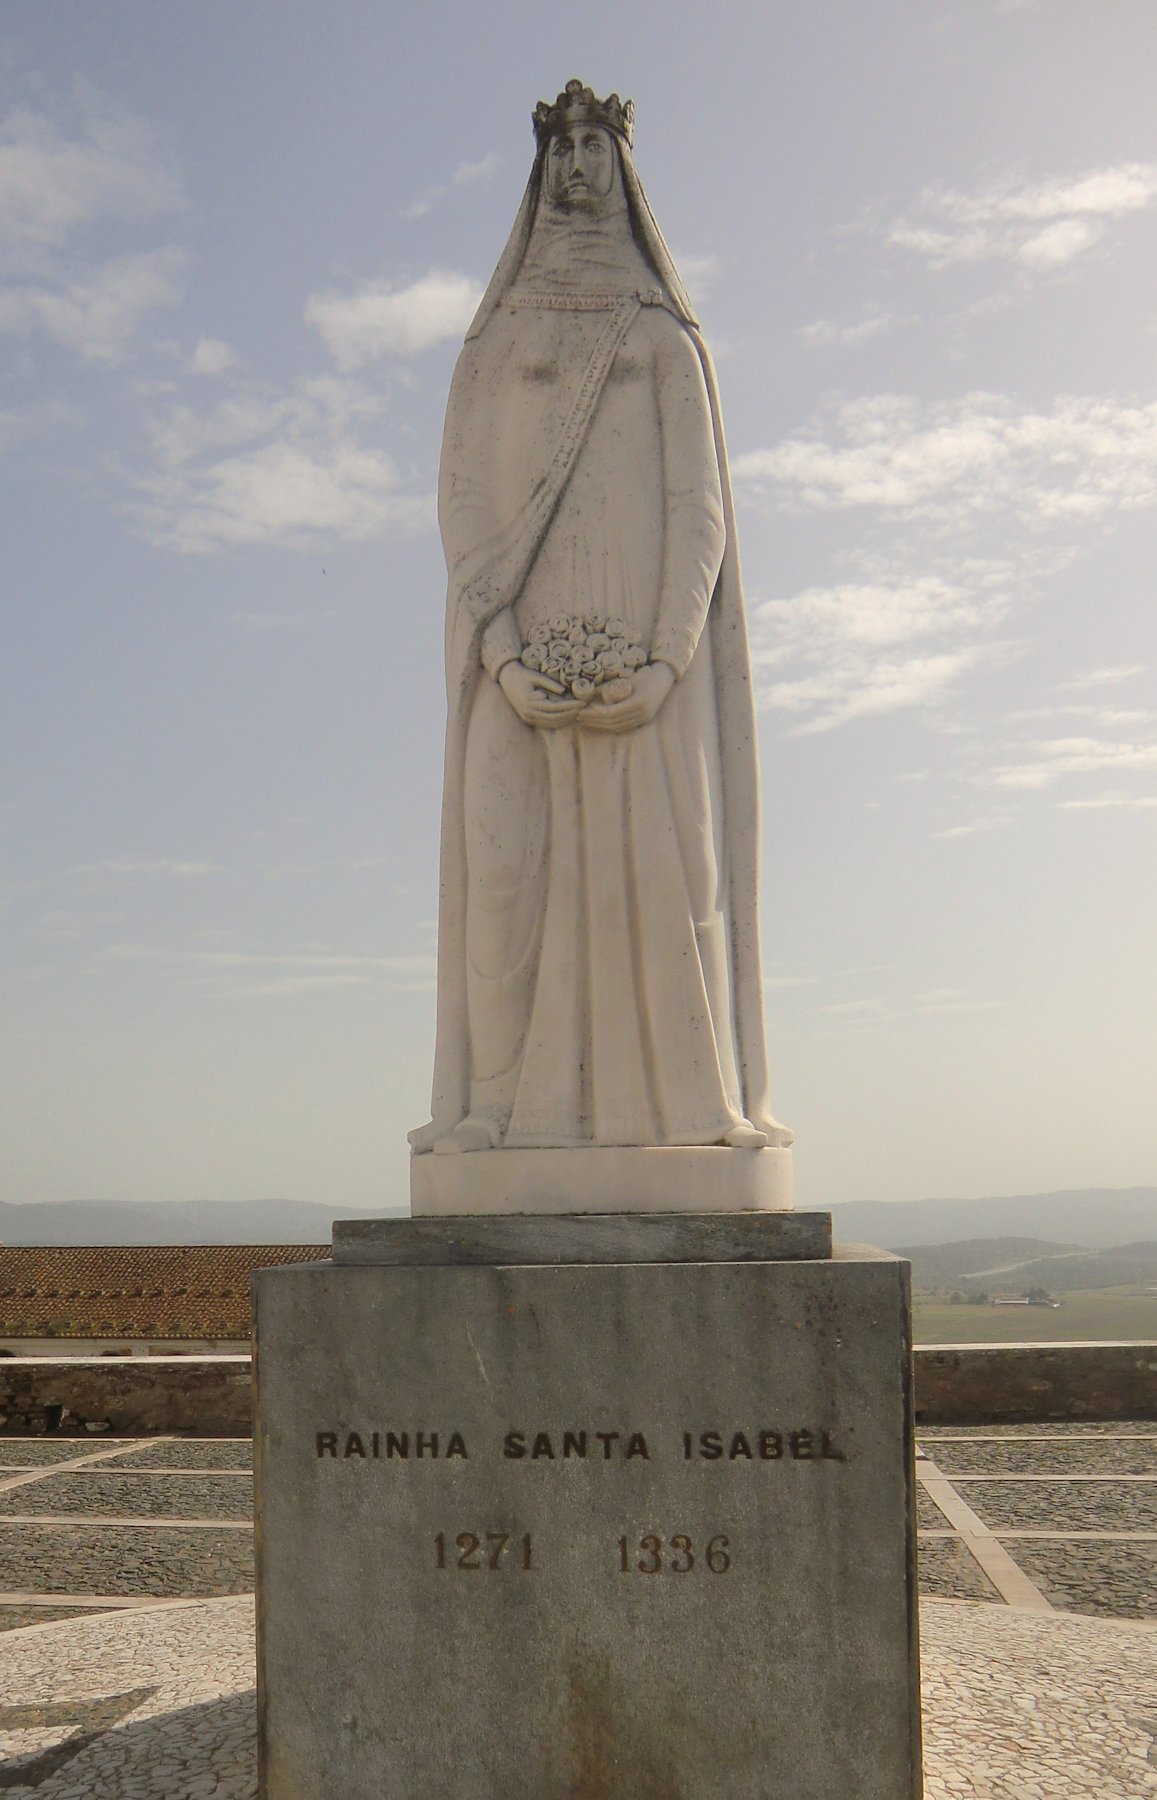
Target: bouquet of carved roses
<point x="587" y="653"/>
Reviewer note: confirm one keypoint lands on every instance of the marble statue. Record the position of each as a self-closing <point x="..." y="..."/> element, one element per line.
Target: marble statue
<point x="599" y="981"/>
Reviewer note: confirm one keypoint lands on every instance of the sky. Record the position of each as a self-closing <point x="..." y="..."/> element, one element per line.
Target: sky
<point x="239" y="245"/>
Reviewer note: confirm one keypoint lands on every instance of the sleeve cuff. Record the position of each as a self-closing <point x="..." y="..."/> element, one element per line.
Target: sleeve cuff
<point x="501" y="643"/>
<point x="675" y="647"/>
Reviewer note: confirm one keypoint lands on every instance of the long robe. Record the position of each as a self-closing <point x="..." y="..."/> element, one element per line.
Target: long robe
<point x="598" y="941"/>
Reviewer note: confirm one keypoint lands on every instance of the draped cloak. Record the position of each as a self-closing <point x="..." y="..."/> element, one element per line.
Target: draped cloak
<point x="492" y="551"/>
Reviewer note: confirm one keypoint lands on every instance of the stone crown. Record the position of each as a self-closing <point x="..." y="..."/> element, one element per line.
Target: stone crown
<point x="578" y="104"/>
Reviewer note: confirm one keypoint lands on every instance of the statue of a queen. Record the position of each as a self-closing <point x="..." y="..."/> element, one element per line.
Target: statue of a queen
<point x="599" y="978"/>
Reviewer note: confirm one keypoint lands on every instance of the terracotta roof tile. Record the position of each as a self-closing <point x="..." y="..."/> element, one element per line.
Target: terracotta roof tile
<point x="135" y="1290"/>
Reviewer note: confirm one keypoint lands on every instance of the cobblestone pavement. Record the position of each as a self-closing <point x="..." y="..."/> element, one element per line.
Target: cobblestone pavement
<point x="1076" y="1564"/>
<point x="25" y="1453"/>
<point x="175" y="1560"/>
<point x="160" y="1706"/>
<point x="117" y="1494"/>
<point x="99" y="1702"/>
<point x="1064" y="1505"/>
<point x="1109" y="1581"/>
<point x="185" y="1453"/>
<point x="928" y="1515"/>
<point x="15" y="1618"/>
<point x="1073" y="1456"/>
<point x="1052" y="1429"/>
<point x="948" y="1572"/>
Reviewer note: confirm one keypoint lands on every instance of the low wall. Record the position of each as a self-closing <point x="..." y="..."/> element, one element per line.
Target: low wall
<point x="1013" y="1384"/>
<point x="210" y="1396"/>
<point x="204" y="1396"/>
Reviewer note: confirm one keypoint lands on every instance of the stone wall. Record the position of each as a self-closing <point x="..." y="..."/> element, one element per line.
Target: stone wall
<point x="204" y="1396"/>
<point x="991" y="1384"/>
<point x="209" y="1396"/>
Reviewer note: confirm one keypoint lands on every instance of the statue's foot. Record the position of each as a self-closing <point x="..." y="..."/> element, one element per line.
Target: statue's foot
<point x="423" y="1138"/>
<point x="780" y="1137"/>
<point x="745" y="1136"/>
<point x="471" y="1133"/>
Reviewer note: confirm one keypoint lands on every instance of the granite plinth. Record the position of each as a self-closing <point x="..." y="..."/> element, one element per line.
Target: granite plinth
<point x="640" y="1530"/>
<point x="652" y="1178"/>
<point x="586" y="1238"/>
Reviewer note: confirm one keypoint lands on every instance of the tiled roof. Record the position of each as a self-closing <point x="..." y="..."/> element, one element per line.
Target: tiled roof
<point x="135" y="1291"/>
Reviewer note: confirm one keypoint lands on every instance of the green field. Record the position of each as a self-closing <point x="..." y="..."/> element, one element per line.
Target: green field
<point x="1120" y="1312"/>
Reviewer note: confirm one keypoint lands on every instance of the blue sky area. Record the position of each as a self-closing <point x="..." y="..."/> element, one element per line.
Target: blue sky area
<point x="239" y="244"/>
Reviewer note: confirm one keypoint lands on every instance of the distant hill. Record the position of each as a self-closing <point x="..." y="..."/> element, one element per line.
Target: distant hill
<point x="995" y="1266"/>
<point x="178" y="1222"/>
<point x="983" y="1261"/>
<point x="1097" y="1217"/>
<point x="1094" y="1217"/>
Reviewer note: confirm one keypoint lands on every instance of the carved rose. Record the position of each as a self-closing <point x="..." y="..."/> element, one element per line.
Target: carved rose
<point x="587" y="655"/>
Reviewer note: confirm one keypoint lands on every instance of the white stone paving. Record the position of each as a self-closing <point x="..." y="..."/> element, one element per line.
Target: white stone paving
<point x="1018" y="1706"/>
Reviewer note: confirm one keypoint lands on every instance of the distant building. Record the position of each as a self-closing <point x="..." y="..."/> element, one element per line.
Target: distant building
<point x="1010" y="1300"/>
<point x="133" y="1300"/>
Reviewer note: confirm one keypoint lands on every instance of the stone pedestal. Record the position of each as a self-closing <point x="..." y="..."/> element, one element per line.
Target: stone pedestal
<point x="640" y="1529"/>
<point x="705" y="1178"/>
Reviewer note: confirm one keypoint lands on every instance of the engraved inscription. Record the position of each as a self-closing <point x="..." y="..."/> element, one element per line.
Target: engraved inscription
<point x="806" y="1444"/>
<point x="374" y="1446"/>
<point x="677" y="1555"/>
<point x="473" y="1551"/>
<point x="762" y="1446"/>
<point x="537" y="1444"/>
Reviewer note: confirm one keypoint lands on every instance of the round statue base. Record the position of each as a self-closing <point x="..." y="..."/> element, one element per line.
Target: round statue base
<point x="648" y="1180"/>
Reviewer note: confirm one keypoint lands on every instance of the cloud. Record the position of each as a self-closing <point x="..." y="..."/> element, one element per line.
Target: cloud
<point x="59" y="186"/>
<point x="53" y="182"/>
<point x="17" y="425"/>
<point x="381" y="319"/>
<point x="825" y="333"/>
<point x="974" y="827"/>
<point x="862" y="649"/>
<point x="467" y="174"/>
<point x="1043" y="763"/>
<point x="248" y="974"/>
<point x="953" y="461"/>
<point x="1116" y="799"/>
<point x="211" y="357"/>
<point x="699" y="271"/>
<point x="1037" y="226"/>
<point x="278" y="469"/>
<point x="1102" y="677"/>
<point x="98" y="315"/>
<point x="283" y="494"/>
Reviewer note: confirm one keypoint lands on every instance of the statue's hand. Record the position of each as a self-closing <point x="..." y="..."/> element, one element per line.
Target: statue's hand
<point x="535" y="697"/>
<point x="649" y="688"/>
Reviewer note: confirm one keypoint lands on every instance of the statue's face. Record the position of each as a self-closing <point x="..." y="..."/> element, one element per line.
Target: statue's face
<point x="580" y="166"/>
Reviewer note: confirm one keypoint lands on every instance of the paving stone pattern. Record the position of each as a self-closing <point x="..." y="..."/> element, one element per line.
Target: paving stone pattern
<point x="928" y="1515"/>
<point x="1064" y="1505"/>
<point x="1083" y="1457"/>
<point x="124" y="1496"/>
<point x="160" y="1706"/>
<point x="1049" y="1428"/>
<point x="29" y="1453"/>
<point x="948" y="1572"/>
<point x="1106" y="1581"/>
<point x="15" y="1618"/>
<point x="160" y="1561"/>
<point x="188" y="1453"/>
